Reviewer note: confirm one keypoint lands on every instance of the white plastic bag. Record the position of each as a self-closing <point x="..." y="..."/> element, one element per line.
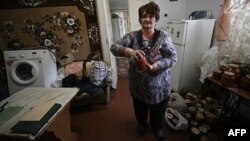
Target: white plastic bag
<point x="177" y="102"/>
<point x="175" y="120"/>
<point x="209" y="63"/>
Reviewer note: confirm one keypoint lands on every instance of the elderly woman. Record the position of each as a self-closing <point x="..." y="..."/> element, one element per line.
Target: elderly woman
<point x="150" y="88"/>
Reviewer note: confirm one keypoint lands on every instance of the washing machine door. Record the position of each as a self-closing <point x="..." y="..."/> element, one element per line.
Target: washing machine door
<point x="24" y="72"/>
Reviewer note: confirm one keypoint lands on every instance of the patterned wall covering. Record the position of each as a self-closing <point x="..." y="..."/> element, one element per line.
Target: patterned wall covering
<point x="69" y="26"/>
<point x="237" y="42"/>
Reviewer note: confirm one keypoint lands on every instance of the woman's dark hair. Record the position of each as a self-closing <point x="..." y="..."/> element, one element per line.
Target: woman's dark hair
<point x="150" y="8"/>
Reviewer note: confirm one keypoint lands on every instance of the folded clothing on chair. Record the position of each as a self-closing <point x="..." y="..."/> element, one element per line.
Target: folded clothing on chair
<point x="87" y="87"/>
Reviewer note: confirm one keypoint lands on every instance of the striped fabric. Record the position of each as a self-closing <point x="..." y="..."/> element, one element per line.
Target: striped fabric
<point x="98" y="72"/>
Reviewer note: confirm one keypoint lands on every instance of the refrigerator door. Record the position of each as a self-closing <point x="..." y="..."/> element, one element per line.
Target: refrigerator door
<point x="177" y="31"/>
<point x="176" y="70"/>
<point x="191" y="39"/>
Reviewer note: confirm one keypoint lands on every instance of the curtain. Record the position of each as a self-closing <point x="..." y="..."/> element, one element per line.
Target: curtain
<point x="223" y="21"/>
<point x="233" y="30"/>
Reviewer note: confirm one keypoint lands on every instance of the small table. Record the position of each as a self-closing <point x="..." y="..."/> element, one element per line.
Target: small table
<point x="233" y="98"/>
<point x="29" y="98"/>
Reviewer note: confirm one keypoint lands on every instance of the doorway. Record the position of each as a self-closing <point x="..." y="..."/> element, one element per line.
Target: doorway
<point x="120" y="26"/>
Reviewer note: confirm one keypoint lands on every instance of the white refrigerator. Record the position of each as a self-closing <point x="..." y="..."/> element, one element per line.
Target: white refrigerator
<point x="191" y="39"/>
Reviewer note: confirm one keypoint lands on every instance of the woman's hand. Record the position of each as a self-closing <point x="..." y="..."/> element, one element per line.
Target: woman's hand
<point x="135" y="55"/>
<point x="152" y="68"/>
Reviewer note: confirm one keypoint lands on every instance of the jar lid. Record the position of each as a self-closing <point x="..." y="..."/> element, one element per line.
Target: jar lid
<point x="248" y="76"/>
<point x="195" y="130"/>
<point x="218" y="71"/>
<point x="169" y="115"/>
<point x="233" y="65"/>
<point x="229" y="73"/>
<point x="224" y="65"/>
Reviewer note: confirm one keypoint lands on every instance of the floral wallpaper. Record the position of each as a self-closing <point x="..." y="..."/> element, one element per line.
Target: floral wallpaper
<point x="32" y="3"/>
<point x="88" y="5"/>
<point x="68" y="29"/>
<point x="43" y="36"/>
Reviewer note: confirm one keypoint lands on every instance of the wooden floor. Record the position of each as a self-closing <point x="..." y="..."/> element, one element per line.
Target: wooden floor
<point x="115" y="121"/>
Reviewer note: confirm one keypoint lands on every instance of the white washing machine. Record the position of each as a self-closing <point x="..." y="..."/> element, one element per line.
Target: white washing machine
<point x="29" y="68"/>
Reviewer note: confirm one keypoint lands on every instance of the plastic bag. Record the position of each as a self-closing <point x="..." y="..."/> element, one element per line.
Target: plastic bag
<point x="98" y="73"/>
<point x="177" y="102"/>
<point x="209" y="63"/>
<point x="175" y="120"/>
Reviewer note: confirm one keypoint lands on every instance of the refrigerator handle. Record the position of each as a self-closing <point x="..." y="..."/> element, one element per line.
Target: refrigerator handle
<point x="178" y="34"/>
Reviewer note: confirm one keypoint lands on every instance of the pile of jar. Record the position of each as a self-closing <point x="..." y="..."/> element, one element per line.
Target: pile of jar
<point x="228" y="75"/>
<point x="202" y="115"/>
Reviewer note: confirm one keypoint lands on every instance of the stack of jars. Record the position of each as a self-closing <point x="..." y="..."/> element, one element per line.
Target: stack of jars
<point x="228" y="75"/>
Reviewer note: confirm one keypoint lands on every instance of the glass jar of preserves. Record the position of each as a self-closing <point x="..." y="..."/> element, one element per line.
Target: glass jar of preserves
<point x="228" y="79"/>
<point x="142" y="64"/>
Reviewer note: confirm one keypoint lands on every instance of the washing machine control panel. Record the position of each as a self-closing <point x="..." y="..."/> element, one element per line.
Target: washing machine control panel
<point x="22" y="55"/>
